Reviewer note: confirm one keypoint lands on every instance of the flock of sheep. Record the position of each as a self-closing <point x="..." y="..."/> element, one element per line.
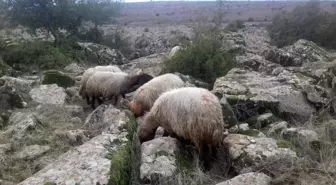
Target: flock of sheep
<point x="187" y="113"/>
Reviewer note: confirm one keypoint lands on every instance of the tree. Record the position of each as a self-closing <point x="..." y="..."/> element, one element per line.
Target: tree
<point x="51" y="15"/>
<point x="99" y="11"/>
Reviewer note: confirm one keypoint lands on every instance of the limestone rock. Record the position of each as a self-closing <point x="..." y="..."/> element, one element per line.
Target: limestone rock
<point x="244" y="127"/>
<point x="74" y="68"/>
<point x="74" y="137"/>
<point x="31" y="152"/>
<point x="59" y="78"/>
<point x="302" y="137"/>
<point x="330" y="129"/>
<point x="193" y="81"/>
<point x="158" y="159"/>
<point x="3" y="182"/>
<point x="276" y="128"/>
<point x="86" y="164"/>
<point x="101" y="118"/>
<point x="250" y="153"/>
<point x="262" y="120"/>
<point x="5" y="148"/>
<point x="21" y="86"/>
<point x="251" y="178"/>
<point x="48" y="94"/>
<point x="10" y="99"/>
<point x="173" y="51"/>
<point x="103" y="54"/>
<point x="57" y="114"/>
<point x="152" y="65"/>
<point x="19" y="124"/>
<point x="257" y="90"/>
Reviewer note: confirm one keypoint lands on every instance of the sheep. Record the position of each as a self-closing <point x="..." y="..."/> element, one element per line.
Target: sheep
<point x="145" y="96"/>
<point x="113" y="84"/>
<point x="88" y="73"/>
<point x="190" y="113"/>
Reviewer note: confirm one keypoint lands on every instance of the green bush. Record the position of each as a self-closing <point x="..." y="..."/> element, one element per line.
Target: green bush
<point x="203" y="59"/>
<point x="41" y="54"/>
<point x="308" y="22"/>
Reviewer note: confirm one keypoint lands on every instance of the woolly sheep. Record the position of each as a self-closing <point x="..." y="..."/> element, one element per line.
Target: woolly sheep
<point x="91" y="71"/>
<point x="145" y="96"/>
<point x="173" y="51"/>
<point x="191" y="113"/>
<point x="110" y="84"/>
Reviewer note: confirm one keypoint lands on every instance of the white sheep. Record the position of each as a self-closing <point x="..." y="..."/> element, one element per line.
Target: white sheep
<point x="88" y="73"/>
<point x="145" y="96"/>
<point x="190" y="113"/>
<point x="113" y="84"/>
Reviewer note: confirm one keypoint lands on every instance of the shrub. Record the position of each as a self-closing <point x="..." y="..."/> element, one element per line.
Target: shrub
<point x="235" y="25"/>
<point x="41" y="54"/>
<point x="116" y="40"/>
<point x="308" y="22"/>
<point x="203" y="59"/>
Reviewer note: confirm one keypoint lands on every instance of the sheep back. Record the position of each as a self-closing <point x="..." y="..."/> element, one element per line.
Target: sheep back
<point x="191" y="113"/>
<point x="105" y="84"/>
<point x="91" y="71"/>
<point x="145" y="96"/>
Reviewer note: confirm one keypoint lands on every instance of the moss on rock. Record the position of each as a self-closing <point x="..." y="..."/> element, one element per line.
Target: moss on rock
<point x="250" y="132"/>
<point x="284" y="144"/>
<point x="59" y="78"/>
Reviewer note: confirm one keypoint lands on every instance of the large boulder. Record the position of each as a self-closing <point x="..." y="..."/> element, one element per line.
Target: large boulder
<point x="20" y="85"/>
<point x="103" y="54"/>
<point x="10" y="99"/>
<point x="19" y="124"/>
<point x="250" y="154"/>
<point x="49" y="94"/>
<point x="152" y="65"/>
<point x="74" y="68"/>
<point x="158" y="159"/>
<point x="59" y="78"/>
<point x="87" y="164"/>
<point x="190" y="81"/>
<point x="251" y="178"/>
<point x="301" y="52"/>
<point x="58" y="114"/>
<point x="260" y="91"/>
<point x="31" y="152"/>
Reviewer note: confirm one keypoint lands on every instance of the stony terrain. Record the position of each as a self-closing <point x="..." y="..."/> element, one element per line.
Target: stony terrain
<point x="283" y="130"/>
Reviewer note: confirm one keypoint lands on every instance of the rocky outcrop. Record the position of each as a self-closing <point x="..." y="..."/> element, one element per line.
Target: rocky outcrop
<point x="250" y="154"/>
<point x="152" y="65"/>
<point x="31" y="152"/>
<point x="74" y="68"/>
<point x="49" y="94"/>
<point x="103" y="55"/>
<point x="19" y="124"/>
<point x="158" y="159"/>
<point x="260" y="91"/>
<point x="302" y="137"/>
<point x="299" y="53"/>
<point x="190" y="81"/>
<point x="87" y="164"/>
<point x="59" y="78"/>
<point x="249" y="179"/>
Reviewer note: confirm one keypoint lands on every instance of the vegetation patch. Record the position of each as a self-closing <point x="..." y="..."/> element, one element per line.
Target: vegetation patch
<point x="250" y="132"/>
<point x="308" y="22"/>
<point x="203" y="59"/>
<point x="284" y="144"/>
<point x="234" y="26"/>
<point x="40" y="54"/>
<point x="123" y="158"/>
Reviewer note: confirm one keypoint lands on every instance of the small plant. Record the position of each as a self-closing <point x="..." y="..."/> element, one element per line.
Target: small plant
<point x="146" y="30"/>
<point x="203" y="59"/>
<point x="157" y="14"/>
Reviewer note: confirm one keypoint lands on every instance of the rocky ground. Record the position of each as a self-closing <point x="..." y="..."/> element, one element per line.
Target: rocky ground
<point x="278" y="104"/>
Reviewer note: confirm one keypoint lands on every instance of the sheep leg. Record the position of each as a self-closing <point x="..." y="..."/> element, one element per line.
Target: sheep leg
<point x="87" y="100"/>
<point x="93" y="102"/>
<point x="203" y="151"/>
<point x="100" y="101"/>
<point x="214" y="152"/>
